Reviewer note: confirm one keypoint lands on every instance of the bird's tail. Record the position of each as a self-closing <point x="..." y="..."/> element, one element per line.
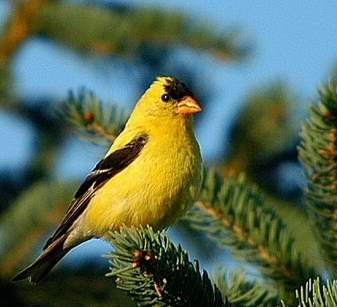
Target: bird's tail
<point x="42" y="265"/>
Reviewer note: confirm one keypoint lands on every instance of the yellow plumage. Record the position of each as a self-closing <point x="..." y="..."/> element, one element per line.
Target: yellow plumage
<point x="155" y="173"/>
<point x="156" y="189"/>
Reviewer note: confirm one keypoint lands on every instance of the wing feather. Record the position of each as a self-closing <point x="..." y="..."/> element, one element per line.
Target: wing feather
<point x="103" y="171"/>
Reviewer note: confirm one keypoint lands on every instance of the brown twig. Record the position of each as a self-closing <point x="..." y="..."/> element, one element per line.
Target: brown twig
<point x="102" y="131"/>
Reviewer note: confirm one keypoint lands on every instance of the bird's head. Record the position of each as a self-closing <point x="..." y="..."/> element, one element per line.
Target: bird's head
<point x="168" y="97"/>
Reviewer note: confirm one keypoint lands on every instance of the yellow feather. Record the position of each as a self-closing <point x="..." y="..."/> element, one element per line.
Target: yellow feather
<point x="156" y="188"/>
<point x="160" y="185"/>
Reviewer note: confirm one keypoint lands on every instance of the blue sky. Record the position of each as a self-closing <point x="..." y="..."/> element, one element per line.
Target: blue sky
<point x="294" y="41"/>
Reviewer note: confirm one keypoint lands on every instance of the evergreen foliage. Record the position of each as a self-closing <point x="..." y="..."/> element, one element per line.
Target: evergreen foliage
<point x="149" y="268"/>
<point x="91" y="118"/>
<point x="131" y="31"/>
<point x="233" y="214"/>
<point x="242" y="291"/>
<point x="318" y="154"/>
<point x="316" y="294"/>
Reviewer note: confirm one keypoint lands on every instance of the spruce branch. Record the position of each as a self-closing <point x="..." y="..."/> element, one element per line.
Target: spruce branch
<point x="241" y="291"/>
<point x="153" y="271"/>
<point x="91" y="118"/>
<point x="234" y="215"/>
<point x="128" y="31"/>
<point x="316" y="294"/>
<point x="318" y="154"/>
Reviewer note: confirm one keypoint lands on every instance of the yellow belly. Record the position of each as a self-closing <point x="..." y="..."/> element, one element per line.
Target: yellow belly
<point x="155" y="189"/>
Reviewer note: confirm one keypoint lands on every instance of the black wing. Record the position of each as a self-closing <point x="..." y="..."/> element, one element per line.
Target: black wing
<point x="103" y="171"/>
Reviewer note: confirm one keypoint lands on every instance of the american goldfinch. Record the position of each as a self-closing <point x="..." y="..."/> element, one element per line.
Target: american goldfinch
<point x="150" y="175"/>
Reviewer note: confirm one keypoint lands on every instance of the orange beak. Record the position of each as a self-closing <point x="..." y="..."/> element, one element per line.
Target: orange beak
<point x="188" y="105"/>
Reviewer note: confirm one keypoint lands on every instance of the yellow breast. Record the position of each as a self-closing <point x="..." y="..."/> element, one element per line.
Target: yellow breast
<point x="155" y="189"/>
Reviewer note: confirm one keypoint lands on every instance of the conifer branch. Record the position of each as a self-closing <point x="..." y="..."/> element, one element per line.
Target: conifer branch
<point x="125" y="32"/>
<point x="318" y="154"/>
<point x="316" y="294"/>
<point x="153" y="271"/>
<point x="91" y="118"/>
<point x="234" y="215"/>
<point x="241" y="291"/>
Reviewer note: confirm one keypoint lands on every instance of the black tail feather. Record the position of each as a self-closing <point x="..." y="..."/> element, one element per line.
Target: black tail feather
<point x="42" y="265"/>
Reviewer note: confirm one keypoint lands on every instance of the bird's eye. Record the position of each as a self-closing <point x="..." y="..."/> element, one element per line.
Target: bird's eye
<point x="165" y="98"/>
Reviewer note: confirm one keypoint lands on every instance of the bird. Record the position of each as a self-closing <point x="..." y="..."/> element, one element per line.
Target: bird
<point x="151" y="175"/>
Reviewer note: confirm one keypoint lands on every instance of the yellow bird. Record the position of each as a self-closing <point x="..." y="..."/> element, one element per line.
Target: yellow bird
<point x="150" y="175"/>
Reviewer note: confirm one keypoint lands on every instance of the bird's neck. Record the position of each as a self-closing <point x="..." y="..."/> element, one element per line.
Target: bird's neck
<point x="163" y="126"/>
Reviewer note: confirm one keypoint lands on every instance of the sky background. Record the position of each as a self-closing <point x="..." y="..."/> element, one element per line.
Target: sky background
<point x="294" y="41"/>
